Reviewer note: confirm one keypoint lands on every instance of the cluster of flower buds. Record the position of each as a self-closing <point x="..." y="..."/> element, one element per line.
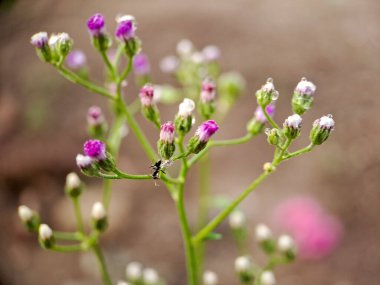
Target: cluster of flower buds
<point x="45" y="236"/>
<point x="126" y="33"/>
<point x="202" y="136"/>
<point x="29" y="218"/>
<point x="165" y="144"/>
<point x="148" y="105"/>
<point x="184" y="119"/>
<point x="267" y="94"/>
<point x="74" y="186"/>
<point x="136" y="274"/>
<point x="53" y="49"/>
<point x="207" y="98"/>
<point x="302" y="99"/>
<point x="210" y="278"/>
<point x="256" y="125"/>
<point x="96" y="158"/>
<point x="96" y="123"/>
<point x="99" y="217"/>
<point x="244" y="269"/>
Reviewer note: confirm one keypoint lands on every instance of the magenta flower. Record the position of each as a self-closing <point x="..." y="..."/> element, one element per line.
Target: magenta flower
<point x="95" y="116"/>
<point x="125" y="30"/>
<point x="95" y="149"/>
<point x="167" y="132"/>
<point x="206" y="130"/>
<point x="146" y="95"/>
<point x="76" y="59"/>
<point x="316" y="233"/>
<point x="141" y="64"/>
<point x="96" y="24"/>
<point x="259" y="114"/>
<point x="208" y="92"/>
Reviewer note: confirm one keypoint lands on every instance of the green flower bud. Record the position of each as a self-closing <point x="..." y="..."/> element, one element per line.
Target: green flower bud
<point x="292" y="126"/>
<point x="267" y="94"/>
<point x="165" y="144"/>
<point x="45" y="236"/>
<point x="273" y="136"/>
<point x="74" y="186"/>
<point x="321" y="129"/>
<point x="99" y="217"/>
<point x="102" y="42"/>
<point x="29" y="218"/>
<point x="287" y="247"/>
<point x="302" y="99"/>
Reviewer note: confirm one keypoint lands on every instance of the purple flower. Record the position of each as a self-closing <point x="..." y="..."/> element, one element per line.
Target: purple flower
<point x="96" y="24"/>
<point x="167" y="132"/>
<point x="76" y="59"/>
<point x="146" y="95"/>
<point x="95" y="116"/>
<point x="208" y="91"/>
<point x="40" y="39"/>
<point x="141" y="64"/>
<point x="95" y="149"/>
<point x="125" y="30"/>
<point x="305" y="87"/>
<point x="259" y="115"/>
<point x="206" y="130"/>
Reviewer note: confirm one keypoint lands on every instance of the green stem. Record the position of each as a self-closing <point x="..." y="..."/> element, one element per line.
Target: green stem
<point x="83" y="82"/>
<point x="121" y="175"/>
<point x="68" y="236"/>
<point x="102" y="265"/>
<point x="107" y="193"/>
<point x="269" y="118"/>
<point x="298" y="152"/>
<point x="109" y="65"/>
<point x="66" y="248"/>
<point x="78" y="214"/>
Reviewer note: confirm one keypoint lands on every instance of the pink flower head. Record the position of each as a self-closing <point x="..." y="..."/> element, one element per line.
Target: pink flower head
<point x="167" y="132"/>
<point x="259" y="114"/>
<point x="141" y="64"/>
<point x="206" y="130"/>
<point x="76" y="59"/>
<point x="316" y="233"/>
<point x="146" y="95"/>
<point x="95" y="116"/>
<point x="95" y="149"/>
<point x="96" y="24"/>
<point x="208" y="92"/>
<point x="125" y="30"/>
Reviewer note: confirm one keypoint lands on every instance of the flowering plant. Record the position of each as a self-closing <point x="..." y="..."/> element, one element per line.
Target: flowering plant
<point x="203" y="88"/>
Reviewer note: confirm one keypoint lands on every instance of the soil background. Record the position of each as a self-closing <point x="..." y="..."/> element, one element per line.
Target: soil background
<point x="335" y="43"/>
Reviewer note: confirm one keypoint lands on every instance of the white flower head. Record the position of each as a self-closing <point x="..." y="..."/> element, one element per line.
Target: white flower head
<point x="25" y="213"/>
<point x="305" y="87"/>
<point x="186" y="108"/>
<point x="211" y="53"/>
<point x="262" y="233"/>
<point x="267" y="278"/>
<point x="197" y="57"/>
<point x="169" y="64"/>
<point x="45" y="232"/>
<point x="39" y="39"/>
<point x="237" y="219"/>
<point x="210" y="278"/>
<point x="98" y="211"/>
<point x="326" y="122"/>
<point x="53" y="40"/>
<point x="268" y="86"/>
<point x="133" y="271"/>
<point x="243" y="264"/>
<point x="285" y="243"/>
<point x="123" y="18"/>
<point x="293" y="121"/>
<point x="83" y="161"/>
<point x="72" y="181"/>
<point x="185" y="47"/>
<point x="150" y="276"/>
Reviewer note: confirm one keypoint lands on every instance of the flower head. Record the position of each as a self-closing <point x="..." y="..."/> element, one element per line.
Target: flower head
<point x="208" y="92"/>
<point x="45" y="232"/>
<point x="95" y="149"/>
<point x="133" y="271"/>
<point x="305" y="87"/>
<point x="25" y="213"/>
<point x="141" y="64"/>
<point x="267" y="93"/>
<point x="96" y="24"/>
<point x="325" y="122"/>
<point x="243" y="264"/>
<point x="321" y="130"/>
<point x="83" y="161"/>
<point x="211" y="53"/>
<point x="150" y="276"/>
<point x="185" y="47"/>
<point x="40" y="39"/>
<point x="263" y="233"/>
<point x="293" y="121"/>
<point x="237" y="219"/>
<point x="98" y="211"/>
<point x="167" y="132"/>
<point x="186" y="108"/>
<point x="125" y="30"/>
<point x="267" y="278"/>
<point x="95" y="116"/>
<point x="169" y="64"/>
<point x="210" y="278"/>
<point x="76" y="59"/>
<point x="259" y="114"/>
<point x="146" y="95"/>
<point x="206" y="130"/>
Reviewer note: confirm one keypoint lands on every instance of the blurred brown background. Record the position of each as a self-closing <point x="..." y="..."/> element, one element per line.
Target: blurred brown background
<point x="335" y="43"/>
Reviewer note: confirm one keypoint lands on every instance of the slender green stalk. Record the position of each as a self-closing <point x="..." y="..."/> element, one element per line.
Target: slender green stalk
<point x="68" y="236"/>
<point x="298" y="152"/>
<point x="269" y="118"/>
<point x="66" y="248"/>
<point x="78" y="214"/>
<point x="107" y="193"/>
<point x="108" y="63"/>
<point x="117" y="57"/>
<point x="131" y="176"/>
<point x="84" y="82"/>
<point x="102" y="265"/>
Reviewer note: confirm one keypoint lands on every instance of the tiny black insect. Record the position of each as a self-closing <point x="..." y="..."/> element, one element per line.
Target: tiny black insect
<point x="157" y="168"/>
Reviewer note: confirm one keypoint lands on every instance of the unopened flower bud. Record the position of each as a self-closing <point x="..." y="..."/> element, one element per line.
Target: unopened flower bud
<point x="96" y="27"/>
<point x="29" y="218"/>
<point x="40" y="41"/>
<point x="185" y="47"/>
<point x="133" y="271"/>
<point x="286" y="245"/>
<point x="169" y="64"/>
<point x="126" y="33"/>
<point x="321" y="129"/>
<point x="150" y="277"/>
<point x="267" y="278"/>
<point x="87" y="165"/>
<point x="244" y="269"/>
<point x="265" y="238"/>
<point x="274" y="136"/>
<point x="74" y="186"/>
<point x="207" y="98"/>
<point x="45" y="236"/>
<point x="302" y="99"/>
<point x="63" y="45"/>
<point x="237" y="219"/>
<point x="96" y="149"/>
<point x="267" y="94"/>
<point x="149" y="108"/>
<point x="99" y="217"/>
<point x="76" y="60"/>
<point x="269" y="167"/>
<point x="97" y="125"/>
<point x="211" y="53"/>
<point x="256" y="124"/>
<point x="292" y="126"/>
<point x="184" y="119"/>
<point x="210" y="278"/>
<point x="165" y="144"/>
<point x="202" y="136"/>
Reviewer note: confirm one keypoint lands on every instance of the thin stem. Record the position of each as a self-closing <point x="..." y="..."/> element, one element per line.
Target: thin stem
<point x="83" y="82"/>
<point x="269" y="118"/>
<point x="121" y="174"/>
<point x="66" y="248"/>
<point x="118" y="54"/>
<point x="78" y="214"/>
<point x="68" y="236"/>
<point x="102" y="265"/>
<point x="107" y="193"/>
<point x="298" y="152"/>
<point x="108" y="63"/>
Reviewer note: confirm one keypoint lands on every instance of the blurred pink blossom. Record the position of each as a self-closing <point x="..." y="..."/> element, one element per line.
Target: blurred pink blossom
<point x="317" y="233"/>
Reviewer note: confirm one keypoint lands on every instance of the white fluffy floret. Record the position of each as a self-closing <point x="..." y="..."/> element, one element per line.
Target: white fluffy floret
<point x="45" y="232"/>
<point x="267" y="278"/>
<point x="210" y="278"/>
<point x="98" y="211"/>
<point x="262" y="233"/>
